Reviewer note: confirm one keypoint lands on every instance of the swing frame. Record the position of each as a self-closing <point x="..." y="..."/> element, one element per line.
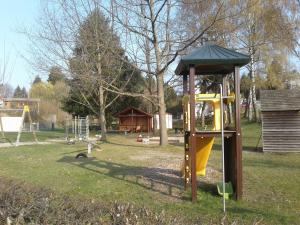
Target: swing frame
<point x="25" y="111"/>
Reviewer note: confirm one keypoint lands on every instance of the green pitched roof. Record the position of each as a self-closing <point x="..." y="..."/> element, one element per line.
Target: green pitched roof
<point x="212" y="59"/>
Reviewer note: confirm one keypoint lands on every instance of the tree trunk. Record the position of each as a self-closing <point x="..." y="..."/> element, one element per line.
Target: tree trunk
<point x="101" y="97"/>
<point x="160" y="82"/>
<point x="102" y="114"/>
<point x="246" y="108"/>
<point x="252" y="94"/>
<point x="153" y="110"/>
<point x="162" y="110"/>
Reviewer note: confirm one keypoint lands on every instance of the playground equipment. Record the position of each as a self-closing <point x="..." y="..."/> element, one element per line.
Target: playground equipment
<point x="26" y="111"/>
<point x="77" y="129"/>
<point x="205" y="144"/>
<point x="222" y="64"/>
<point x="18" y="123"/>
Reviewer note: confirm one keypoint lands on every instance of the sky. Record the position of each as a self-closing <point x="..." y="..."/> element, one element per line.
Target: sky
<point x="15" y="14"/>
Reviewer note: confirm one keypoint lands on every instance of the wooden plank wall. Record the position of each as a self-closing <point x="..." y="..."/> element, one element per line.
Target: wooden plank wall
<point x="281" y="131"/>
<point x="280" y="100"/>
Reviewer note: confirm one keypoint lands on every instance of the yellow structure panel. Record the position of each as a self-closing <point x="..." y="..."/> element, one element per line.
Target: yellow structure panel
<point x="203" y="148"/>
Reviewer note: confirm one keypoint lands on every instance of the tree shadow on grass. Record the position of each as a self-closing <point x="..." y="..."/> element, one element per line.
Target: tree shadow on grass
<point x="167" y="182"/>
<point x="76" y="151"/>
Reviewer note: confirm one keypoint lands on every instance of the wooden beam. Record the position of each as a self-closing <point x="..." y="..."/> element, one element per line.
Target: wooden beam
<point x="237" y="156"/>
<point x="193" y="133"/>
<point x="187" y="165"/>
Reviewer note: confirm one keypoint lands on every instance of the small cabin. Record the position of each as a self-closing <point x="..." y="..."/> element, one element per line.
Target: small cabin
<point x="134" y="120"/>
<point x="280" y="111"/>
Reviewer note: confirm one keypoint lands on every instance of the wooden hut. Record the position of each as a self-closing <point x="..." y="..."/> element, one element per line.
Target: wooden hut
<point x="280" y="120"/>
<point x="134" y="120"/>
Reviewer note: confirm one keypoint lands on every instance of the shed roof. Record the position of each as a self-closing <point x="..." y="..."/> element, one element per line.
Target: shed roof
<point x="128" y="111"/>
<point x="212" y="59"/>
<point x="280" y="100"/>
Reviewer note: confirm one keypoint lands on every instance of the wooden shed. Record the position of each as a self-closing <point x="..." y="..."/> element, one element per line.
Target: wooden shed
<point x="134" y="120"/>
<point x="280" y="120"/>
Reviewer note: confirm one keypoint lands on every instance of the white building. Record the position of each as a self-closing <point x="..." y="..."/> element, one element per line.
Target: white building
<point x="169" y="121"/>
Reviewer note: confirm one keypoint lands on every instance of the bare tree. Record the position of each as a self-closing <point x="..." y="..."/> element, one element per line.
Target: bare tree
<point x="78" y="38"/>
<point x="6" y="69"/>
<point x="156" y="41"/>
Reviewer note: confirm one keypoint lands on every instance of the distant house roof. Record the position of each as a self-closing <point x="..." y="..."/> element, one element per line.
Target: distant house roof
<point x="280" y="100"/>
<point x="21" y="99"/>
<point x="132" y="111"/>
<point x="212" y="59"/>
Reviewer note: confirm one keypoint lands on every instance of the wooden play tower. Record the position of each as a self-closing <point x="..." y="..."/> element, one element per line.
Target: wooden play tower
<point x="223" y="64"/>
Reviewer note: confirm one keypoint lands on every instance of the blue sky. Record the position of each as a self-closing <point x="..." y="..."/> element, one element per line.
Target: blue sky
<point x="15" y="14"/>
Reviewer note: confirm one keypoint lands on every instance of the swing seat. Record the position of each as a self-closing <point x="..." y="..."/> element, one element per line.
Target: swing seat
<point x="228" y="189"/>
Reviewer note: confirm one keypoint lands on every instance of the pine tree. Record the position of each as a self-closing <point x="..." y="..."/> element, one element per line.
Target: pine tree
<point x="37" y="79"/>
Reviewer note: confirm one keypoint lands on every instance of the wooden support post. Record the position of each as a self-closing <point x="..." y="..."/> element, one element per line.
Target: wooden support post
<point x="238" y="138"/>
<point x="193" y="133"/>
<point x="187" y="164"/>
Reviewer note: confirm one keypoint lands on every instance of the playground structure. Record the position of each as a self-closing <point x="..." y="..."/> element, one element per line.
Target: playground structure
<point x="11" y="117"/>
<point x="220" y="63"/>
<point x="12" y="121"/>
<point x="20" y="123"/>
<point x="77" y="128"/>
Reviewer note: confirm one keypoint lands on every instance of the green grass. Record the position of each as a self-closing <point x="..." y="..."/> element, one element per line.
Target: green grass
<point x="127" y="171"/>
<point x="28" y="136"/>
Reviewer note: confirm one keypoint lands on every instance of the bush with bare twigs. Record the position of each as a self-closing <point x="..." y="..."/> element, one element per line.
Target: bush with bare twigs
<point x="23" y="204"/>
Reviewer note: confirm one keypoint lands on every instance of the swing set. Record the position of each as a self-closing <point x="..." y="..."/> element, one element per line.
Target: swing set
<point x="224" y="65"/>
<point x="18" y="121"/>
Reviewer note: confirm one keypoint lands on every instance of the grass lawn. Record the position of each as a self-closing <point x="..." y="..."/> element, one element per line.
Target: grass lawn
<point x="28" y="136"/>
<point x="148" y="175"/>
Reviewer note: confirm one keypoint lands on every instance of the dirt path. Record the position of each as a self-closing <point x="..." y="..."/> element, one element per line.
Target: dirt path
<point x="13" y="144"/>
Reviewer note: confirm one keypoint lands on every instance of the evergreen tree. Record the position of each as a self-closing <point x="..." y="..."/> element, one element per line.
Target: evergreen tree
<point x="37" y="80"/>
<point x="97" y="67"/>
<point x="17" y="92"/>
<point x="24" y="93"/>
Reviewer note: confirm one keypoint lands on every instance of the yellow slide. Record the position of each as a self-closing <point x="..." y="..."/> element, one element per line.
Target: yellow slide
<point x="203" y="147"/>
